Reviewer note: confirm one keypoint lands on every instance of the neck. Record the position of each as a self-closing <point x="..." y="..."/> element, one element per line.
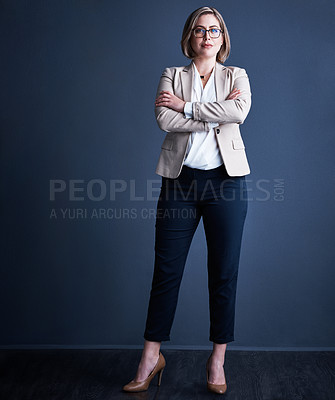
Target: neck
<point x="204" y="65"/>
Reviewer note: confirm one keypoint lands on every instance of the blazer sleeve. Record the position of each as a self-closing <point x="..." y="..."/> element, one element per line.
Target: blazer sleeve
<point x="170" y="120"/>
<point x="227" y="111"/>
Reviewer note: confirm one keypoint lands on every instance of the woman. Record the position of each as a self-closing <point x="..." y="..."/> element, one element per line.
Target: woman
<point x="203" y="166"/>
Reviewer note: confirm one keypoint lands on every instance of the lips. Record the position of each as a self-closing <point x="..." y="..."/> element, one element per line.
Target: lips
<point x="208" y="46"/>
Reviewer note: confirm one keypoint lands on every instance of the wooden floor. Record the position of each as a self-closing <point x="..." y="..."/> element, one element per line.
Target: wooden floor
<point x="100" y="375"/>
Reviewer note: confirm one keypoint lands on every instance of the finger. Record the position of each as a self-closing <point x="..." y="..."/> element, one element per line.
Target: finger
<point x="162" y="102"/>
<point x="161" y="97"/>
<point x="164" y="96"/>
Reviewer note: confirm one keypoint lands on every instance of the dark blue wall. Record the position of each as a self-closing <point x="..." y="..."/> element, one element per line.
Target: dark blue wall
<point x="78" y="81"/>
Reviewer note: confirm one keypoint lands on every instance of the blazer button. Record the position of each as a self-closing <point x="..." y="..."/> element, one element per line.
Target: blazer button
<point x="218" y="131"/>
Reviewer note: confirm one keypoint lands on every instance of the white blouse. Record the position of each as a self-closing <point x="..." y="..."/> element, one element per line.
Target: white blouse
<point x="202" y="150"/>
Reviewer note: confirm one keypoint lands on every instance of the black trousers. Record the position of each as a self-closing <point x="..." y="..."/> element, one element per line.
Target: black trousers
<point x="221" y="200"/>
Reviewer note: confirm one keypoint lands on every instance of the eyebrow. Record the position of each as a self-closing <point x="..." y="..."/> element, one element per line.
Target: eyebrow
<point x="212" y="26"/>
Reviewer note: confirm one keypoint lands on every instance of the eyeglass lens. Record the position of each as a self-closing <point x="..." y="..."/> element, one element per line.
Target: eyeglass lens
<point x="213" y="33"/>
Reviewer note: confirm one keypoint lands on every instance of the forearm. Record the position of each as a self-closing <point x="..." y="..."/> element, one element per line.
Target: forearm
<point x="188" y="111"/>
<point x="226" y="111"/>
<point x="170" y="120"/>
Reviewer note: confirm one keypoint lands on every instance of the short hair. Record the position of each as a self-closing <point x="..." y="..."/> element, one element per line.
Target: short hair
<point x="191" y="22"/>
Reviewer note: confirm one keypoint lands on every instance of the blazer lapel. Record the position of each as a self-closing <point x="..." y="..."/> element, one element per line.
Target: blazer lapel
<point x="186" y="79"/>
<point x="220" y="78"/>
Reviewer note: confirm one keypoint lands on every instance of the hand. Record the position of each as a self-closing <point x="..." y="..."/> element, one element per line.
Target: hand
<point x="167" y="99"/>
<point x="233" y="94"/>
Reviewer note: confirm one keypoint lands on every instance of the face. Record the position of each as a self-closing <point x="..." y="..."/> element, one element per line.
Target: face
<point x="206" y="47"/>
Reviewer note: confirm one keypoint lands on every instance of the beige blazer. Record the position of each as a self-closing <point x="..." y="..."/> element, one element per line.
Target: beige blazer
<point x="228" y="113"/>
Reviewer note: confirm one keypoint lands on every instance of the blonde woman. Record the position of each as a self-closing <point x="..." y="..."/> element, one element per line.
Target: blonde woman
<point x="203" y="166"/>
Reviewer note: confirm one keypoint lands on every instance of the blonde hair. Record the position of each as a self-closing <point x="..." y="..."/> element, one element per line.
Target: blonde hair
<point x="191" y="22"/>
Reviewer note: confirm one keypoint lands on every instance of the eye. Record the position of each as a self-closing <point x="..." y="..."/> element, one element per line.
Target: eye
<point x="199" y="31"/>
<point x="214" y="30"/>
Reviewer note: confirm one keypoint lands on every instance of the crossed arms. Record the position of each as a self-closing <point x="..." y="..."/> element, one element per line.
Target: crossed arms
<point x="204" y="114"/>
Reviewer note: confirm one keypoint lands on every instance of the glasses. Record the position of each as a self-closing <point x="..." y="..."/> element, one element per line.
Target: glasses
<point x="201" y="32"/>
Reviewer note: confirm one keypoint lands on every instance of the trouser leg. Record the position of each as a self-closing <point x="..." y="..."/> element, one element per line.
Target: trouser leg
<point x="223" y="219"/>
<point x="176" y="222"/>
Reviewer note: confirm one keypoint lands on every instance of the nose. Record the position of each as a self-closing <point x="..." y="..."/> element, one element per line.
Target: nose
<point x="207" y="35"/>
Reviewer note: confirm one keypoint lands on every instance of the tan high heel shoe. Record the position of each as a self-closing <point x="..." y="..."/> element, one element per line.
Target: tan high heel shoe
<point x="134" y="386"/>
<point x="221" y="389"/>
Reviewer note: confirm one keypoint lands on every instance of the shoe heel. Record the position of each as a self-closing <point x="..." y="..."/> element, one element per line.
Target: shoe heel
<point x="160" y="373"/>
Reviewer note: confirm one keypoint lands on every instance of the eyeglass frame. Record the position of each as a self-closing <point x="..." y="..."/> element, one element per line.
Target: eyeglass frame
<point x="207" y="30"/>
